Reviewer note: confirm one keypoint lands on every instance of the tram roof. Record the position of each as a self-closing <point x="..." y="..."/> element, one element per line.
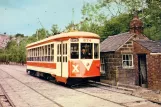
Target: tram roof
<point x="78" y="34"/>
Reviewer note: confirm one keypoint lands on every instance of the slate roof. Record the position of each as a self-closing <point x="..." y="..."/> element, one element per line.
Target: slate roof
<point x="112" y="43"/>
<point x="153" y="46"/>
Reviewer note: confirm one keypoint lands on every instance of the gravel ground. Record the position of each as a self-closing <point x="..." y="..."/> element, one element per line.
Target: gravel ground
<point x="27" y="91"/>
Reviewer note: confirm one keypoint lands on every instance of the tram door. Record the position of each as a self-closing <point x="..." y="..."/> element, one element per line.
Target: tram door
<point x="62" y="63"/>
<point x="64" y="59"/>
<point x="58" y="65"/>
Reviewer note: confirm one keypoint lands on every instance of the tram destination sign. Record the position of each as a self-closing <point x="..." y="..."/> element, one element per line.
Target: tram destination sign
<point x="74" y="40"/>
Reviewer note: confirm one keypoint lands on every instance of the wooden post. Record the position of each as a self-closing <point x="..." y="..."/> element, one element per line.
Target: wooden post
<point x="117" y="76"/>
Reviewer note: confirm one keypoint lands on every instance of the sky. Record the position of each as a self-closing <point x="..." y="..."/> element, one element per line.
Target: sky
<point x="24" y="16"/>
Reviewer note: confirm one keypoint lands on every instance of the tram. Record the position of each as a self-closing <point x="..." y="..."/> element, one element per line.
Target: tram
<point x="69" y="57"/>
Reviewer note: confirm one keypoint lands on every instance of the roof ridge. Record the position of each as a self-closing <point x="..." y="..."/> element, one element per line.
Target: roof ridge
<point x="119" y="34"/>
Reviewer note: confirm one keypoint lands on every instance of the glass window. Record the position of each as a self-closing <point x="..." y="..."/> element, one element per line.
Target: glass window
<point x="86" y="50"/>
<point x="103" y="65"/>
<point x="74" y="51"/>
<point x="43" y="57"/>
<point x="52" y="52"/>
<point x="46" y="50"/>
<point x="96" y="51"/>
<point x="58" y="49"/>
<point x="127" y="61"/>
<point x="66" y="48"/>
<point x="49" y="53"/>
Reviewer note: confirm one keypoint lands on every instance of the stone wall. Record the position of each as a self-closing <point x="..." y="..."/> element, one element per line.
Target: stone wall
<point x="154" y="72"/>
<point x="114" y="70"/>
<point x="153" y="67"/>
<point x="126" y="75"/>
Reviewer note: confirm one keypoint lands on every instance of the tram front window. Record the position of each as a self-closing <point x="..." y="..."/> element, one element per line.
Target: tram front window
<point x="74" y="51"/>
<point x="86" y="50"/>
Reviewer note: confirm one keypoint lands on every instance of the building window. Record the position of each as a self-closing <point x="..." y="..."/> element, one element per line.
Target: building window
<point x="103" y="65"/>
<point x="127" y="61"/>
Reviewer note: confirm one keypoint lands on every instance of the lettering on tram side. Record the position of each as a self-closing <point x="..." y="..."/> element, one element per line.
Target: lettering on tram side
<point x="86" y="40"/>
<point x="75" y="70"/>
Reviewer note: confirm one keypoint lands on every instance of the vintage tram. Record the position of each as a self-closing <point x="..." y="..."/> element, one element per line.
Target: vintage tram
<point x="69" y="57"/>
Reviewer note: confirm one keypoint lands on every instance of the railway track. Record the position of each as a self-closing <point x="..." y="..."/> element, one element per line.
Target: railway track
<point x="33" y="90"/>
<point x="94" y="84"/>
<point x="4" y="99"/>
<point x="110" y="88"/>
<point x="75" y="88"/>
<point x="90" y="84"/>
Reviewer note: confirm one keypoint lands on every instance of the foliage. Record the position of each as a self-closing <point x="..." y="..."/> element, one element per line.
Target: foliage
<point x="55" y="29"/>
<point x="113" y="17"/>
<point x="41" y="34"/>
<point x="104" y="17"/>
<point x="19" y="35"/>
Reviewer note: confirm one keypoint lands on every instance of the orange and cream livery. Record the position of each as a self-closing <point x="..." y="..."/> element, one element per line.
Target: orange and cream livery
<point x="67" y="57"/>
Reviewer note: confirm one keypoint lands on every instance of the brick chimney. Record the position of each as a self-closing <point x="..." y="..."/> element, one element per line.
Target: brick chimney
<point x="136" y="25"/>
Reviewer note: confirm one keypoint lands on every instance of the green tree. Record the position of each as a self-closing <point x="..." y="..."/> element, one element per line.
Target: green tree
<point x="107" y="14"/>
<point x="41" y="34"/>
<point x="55" y="29"/>
<point x="19" y="35"/>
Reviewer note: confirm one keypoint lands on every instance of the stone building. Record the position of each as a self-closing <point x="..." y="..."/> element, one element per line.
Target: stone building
<point x="131" y="58"/>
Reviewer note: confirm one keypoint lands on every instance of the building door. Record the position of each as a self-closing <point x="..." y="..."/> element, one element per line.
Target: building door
<point x="142" y="70"/>
<point x="103" y="67"/>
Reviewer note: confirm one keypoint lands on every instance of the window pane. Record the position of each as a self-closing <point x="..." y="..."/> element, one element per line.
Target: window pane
<point x="96" y="51"/>
<point x="58" y="49"/>
<point x="74" y="51"/>
<point x="86" y="50"/>
<point x="66" y="48"/>
<point x="49" y="50"/>
<point x="127" y="60"/>
<point x="127" y="57"/>
<point x="130" y="57"/>
<point x="52" y="49"/>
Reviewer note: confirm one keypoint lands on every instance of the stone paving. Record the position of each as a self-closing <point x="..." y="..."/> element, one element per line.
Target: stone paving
<point x="27" y="91"/>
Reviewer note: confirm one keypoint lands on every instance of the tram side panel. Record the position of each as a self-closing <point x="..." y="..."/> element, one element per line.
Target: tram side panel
<point x="84" y="68"/>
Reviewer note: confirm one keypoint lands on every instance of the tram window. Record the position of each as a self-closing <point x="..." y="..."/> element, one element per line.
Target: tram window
<point x="86" y="50"/>
<point x="66" y="48"/>
<point x="43" y="53"/>
<point x="49" y="50"/>
<point x="52" y="52"/>
<point x="39" y="53"/>
<point x="63" y="49"/>
<point x="66" y="58"/>
<point x="46" y="50"/>
<point x="48" y="53"/>
<point x="96" y="51"/>
<point x="60" y="49"/>
<point x="58" y="59"/>
<point x="74" y="51"/>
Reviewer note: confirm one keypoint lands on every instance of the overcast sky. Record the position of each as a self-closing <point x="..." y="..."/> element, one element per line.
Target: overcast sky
<point x="21" y="16"/>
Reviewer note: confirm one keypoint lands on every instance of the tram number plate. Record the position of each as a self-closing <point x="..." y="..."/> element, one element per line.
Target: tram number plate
<point x="86" y="40"/>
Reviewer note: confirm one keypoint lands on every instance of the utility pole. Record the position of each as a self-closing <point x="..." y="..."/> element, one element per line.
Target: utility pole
<point x="73" y="26"/>
<point x="37" y="34"/>
<point x="42" y="27"/>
